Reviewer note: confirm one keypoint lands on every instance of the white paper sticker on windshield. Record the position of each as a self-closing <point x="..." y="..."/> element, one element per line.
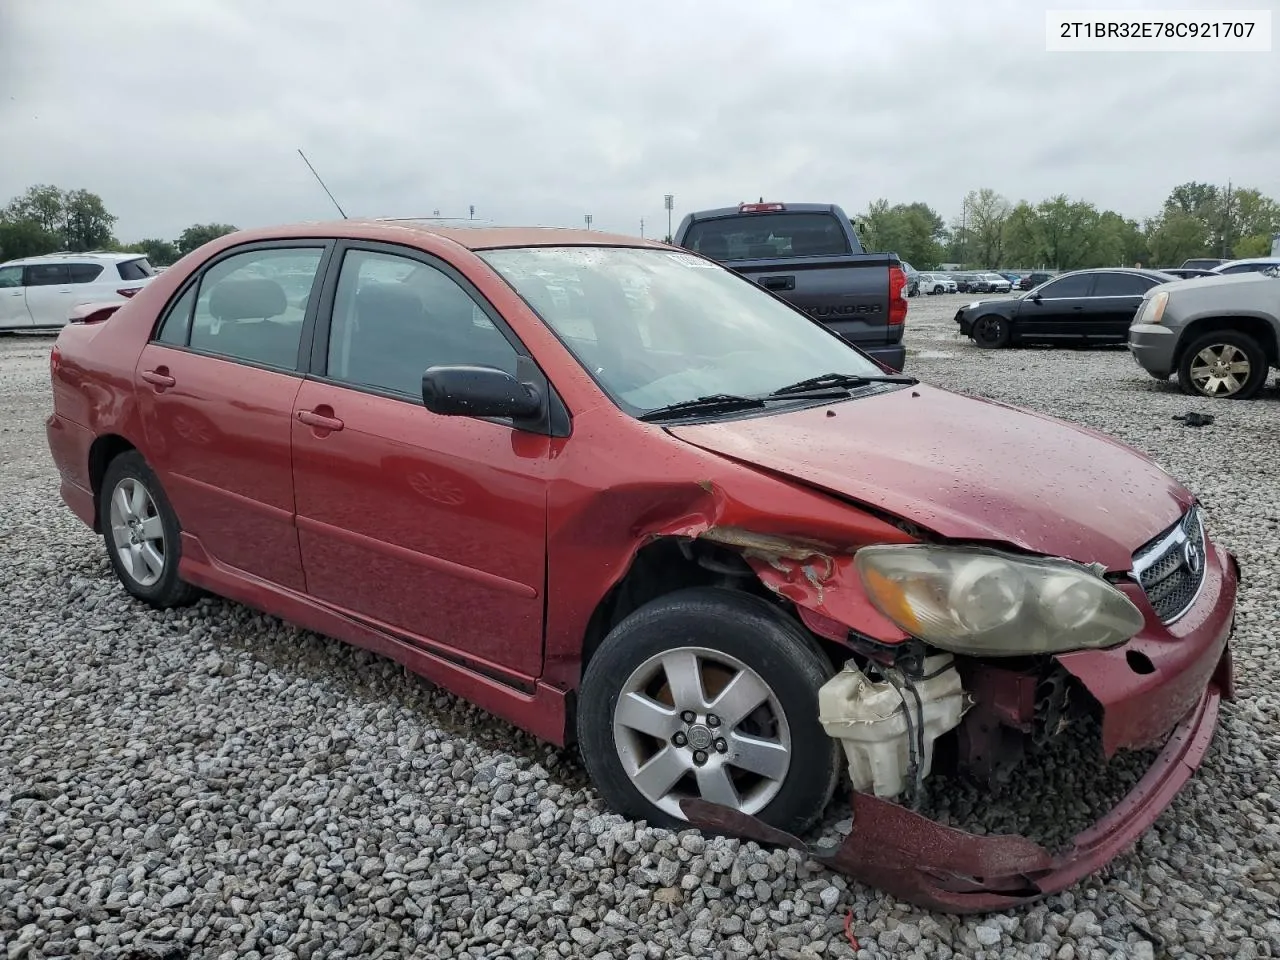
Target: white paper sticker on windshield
<point x="691" y="261"/>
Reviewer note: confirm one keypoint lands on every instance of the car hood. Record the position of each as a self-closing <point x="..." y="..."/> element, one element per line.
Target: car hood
<point x="966" y="469"/>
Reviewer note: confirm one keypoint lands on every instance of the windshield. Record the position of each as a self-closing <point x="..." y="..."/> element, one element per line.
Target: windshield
<point x="656" y="328"/>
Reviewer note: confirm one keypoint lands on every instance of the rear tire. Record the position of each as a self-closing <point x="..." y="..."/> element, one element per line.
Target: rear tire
<point x="1226" y="365"/>
<point x="991" y="332"/>
<point x="142" y="533"/>
<point x="673" y="664"/>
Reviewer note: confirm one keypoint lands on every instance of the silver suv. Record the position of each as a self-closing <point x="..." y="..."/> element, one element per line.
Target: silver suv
<point x="39" y="293"/>
<point x="1219" y="335"/>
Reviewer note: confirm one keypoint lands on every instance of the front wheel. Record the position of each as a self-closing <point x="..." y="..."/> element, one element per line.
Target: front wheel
<point x="1223" y="365"/>
<point x="142" y="533"/>
<point x="991" y="332"/>
<point x="713" y="694"/>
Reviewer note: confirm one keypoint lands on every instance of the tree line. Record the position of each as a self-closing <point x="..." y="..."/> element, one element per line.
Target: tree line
<point x="48" y="219"/>
<point x="1061" y="233"/>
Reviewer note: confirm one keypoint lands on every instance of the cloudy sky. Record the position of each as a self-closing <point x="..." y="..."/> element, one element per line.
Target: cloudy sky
<point x="541" y="111"/>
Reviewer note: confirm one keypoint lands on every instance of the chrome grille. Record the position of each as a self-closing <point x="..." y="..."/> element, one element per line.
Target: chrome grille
<point x="1171" y="567"/>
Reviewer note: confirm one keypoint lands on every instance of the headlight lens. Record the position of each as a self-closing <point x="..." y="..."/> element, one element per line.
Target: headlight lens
<point x="986" y="603"/>
<point x="1153" y="309"/>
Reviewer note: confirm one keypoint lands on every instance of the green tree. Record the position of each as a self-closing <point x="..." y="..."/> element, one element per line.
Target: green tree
<point x="987" y="212"/>
<point x="198" y="234"/>
<point x="1193" y="198"/>
<point x="1175" y="236"/>
<point x="42" y="205"/>
<point x="161" y="253"/>
<point x="1023" y="239"/>
<point x="46" y="218"/>
<point x="86" y="225"/>
<point x="1259" y="245"/>
<point x="1069" y="234"/>
<point x="911" y="230"/>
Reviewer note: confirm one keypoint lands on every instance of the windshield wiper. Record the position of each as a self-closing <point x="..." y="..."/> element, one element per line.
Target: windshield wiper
<point x="844" y="380"/>
<point x="714" y="403"/>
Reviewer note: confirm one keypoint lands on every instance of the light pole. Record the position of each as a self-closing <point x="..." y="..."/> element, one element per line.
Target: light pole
<point x="669" y="204"/>
<point x="642" y="228"/>
<point x="587" y="218"/>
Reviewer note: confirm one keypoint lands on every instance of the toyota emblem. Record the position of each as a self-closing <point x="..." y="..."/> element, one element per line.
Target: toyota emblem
<point x="1192" y="557"/>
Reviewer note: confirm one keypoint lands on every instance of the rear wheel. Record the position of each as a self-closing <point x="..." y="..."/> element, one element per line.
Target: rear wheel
<point x="142" y="534"/>
<point x="991" y="332"/>
<point x="711" y="694"/>
<point x="1223" y="365"/>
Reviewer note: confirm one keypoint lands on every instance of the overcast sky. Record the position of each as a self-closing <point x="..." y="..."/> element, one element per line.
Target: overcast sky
<point x="541" y="111"/>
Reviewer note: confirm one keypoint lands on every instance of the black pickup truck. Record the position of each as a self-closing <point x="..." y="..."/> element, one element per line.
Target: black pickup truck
<point x="809" y="255"/>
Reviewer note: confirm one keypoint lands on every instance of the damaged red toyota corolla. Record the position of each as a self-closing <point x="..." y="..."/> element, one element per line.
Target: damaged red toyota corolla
<point x="616" y="493"/>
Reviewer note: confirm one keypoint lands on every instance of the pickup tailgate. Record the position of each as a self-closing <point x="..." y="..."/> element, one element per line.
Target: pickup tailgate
<point x="849" y="294"/>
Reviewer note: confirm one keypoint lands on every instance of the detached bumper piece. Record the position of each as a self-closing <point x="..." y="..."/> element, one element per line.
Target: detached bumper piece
<point x="941" y="868"/>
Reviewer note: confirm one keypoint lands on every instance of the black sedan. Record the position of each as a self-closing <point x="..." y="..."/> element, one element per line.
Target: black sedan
<point x="1087" y="306"/>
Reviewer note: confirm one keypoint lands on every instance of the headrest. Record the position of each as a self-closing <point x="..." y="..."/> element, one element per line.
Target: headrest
<point x="247" y="299"/>
<point x="811" y="243"/>
<point x="717" y="248"/>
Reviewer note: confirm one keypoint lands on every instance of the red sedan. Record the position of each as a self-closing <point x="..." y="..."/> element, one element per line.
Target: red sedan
<point x="618" y="494"/>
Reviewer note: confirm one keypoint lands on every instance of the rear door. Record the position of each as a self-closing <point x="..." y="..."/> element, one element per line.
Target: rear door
<point x="215" y="389"/>
<point x="1116" y="298"/>
<point x="51" y="293"/>
<point x="1058" y="313"/>
<point x="13" y="299"/>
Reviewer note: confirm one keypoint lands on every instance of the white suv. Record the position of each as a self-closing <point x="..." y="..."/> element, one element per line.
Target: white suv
<point x="39" y="293"/>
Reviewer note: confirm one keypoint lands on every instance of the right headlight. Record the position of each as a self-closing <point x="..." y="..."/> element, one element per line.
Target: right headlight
<point x="1152" y="309"/>
<point x="980" y="602"/>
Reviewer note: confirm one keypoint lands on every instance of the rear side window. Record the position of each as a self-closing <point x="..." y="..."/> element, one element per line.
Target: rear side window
<point x="10" y="277"/>
<point x="250" y="306"/>
<point x="47" y="274"/>
<point x="759" y="236"/>
<point x="84" y="272"/>
<point x="1121" y="285"/>
<point x="1245" y="268"/>
<point x="176" y="325"/>
<point x="138" y="269"/>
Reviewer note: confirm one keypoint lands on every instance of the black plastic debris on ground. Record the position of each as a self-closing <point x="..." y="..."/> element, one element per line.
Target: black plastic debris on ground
<point x="1193" y="419"/>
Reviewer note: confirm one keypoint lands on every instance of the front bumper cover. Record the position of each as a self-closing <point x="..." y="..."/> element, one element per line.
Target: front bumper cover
<point x="939" y="867"/>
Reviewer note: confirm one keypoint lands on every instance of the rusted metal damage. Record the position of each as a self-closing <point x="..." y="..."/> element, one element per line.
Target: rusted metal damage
<point x="941" y="868"/>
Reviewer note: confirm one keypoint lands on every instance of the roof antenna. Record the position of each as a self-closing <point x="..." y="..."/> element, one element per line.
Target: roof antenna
<point x="321" y="182"/>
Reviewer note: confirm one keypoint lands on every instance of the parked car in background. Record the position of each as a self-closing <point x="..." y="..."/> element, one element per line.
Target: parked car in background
<point x="994" y="283"/>
<point x="1034" y="279"/>
<point x="1218" y="335"/>
<point x="39" y="293"/>
<point x="936" y="283"/>
<point x="1186" y="273"/>
<point x="1013" y="279"/>
<point x="1251" y="265"/>
<point x="1086" y="306"/>
<point x="913" y="278"/>
<point x="618" y="495"/>
<point x="809" y="255"/>
<point x="966" y="282"/>
<point x="1202" y="263"/>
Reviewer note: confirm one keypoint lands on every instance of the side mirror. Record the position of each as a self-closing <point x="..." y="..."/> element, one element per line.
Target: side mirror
<point x="464" y="390"/>
<point x="1035" y="298"/>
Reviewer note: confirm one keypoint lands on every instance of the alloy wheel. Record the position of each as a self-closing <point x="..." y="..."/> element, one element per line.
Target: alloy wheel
<point x="1220" y="370"/>
<point x="695" y="722"/>
<point x="137" y="532"/>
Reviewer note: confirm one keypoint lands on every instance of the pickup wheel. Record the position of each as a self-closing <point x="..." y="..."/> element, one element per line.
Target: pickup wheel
<point x="708" y="693"/>
<point x="1223" y="365"/>
<point x="991" y="332"/>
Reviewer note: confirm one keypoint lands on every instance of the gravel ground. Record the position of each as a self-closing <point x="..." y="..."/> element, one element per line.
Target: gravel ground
<point x="212" y="782"/>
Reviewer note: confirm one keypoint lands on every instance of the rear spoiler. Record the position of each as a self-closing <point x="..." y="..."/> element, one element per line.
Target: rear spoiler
<point x="94" y="312"/>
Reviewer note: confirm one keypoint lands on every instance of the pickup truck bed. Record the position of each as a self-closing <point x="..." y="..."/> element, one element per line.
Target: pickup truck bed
<point x="809" y="255"/>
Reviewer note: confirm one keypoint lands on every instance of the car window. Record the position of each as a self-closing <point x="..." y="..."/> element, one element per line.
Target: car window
<point x="250" y="306"/>
<point x="1077" y="286"/>
<point x="176" y="322"/>
<point x="138" y="269"/>
<point x="10" y="277"/>
<point x="756" y="236"/>
<point x="1121" y="285"/>
<point x="46" y="274"/>
<point x="653" y="327"/>
<point x="84" y="272"/>
<point x="1245" y="268"/>
<point x="393" y="317"/>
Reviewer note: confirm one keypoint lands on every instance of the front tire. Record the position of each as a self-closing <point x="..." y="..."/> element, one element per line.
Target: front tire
<point x="141" y="533"/>
<point x="1227" y="365"/>
<point x="709" y="693"/>
<point x="992" y="333"/>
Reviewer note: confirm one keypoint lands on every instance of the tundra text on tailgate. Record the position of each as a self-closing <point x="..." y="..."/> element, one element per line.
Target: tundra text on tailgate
<point x="809" y="255"/>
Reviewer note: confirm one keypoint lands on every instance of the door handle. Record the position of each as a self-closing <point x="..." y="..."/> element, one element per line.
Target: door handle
<point x="778" y="283"/>
<point x="159" y="378"/>
<point x="321" y="421"/>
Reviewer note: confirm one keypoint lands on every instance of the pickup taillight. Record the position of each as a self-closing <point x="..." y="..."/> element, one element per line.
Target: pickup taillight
<point x="897" y="296"/>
